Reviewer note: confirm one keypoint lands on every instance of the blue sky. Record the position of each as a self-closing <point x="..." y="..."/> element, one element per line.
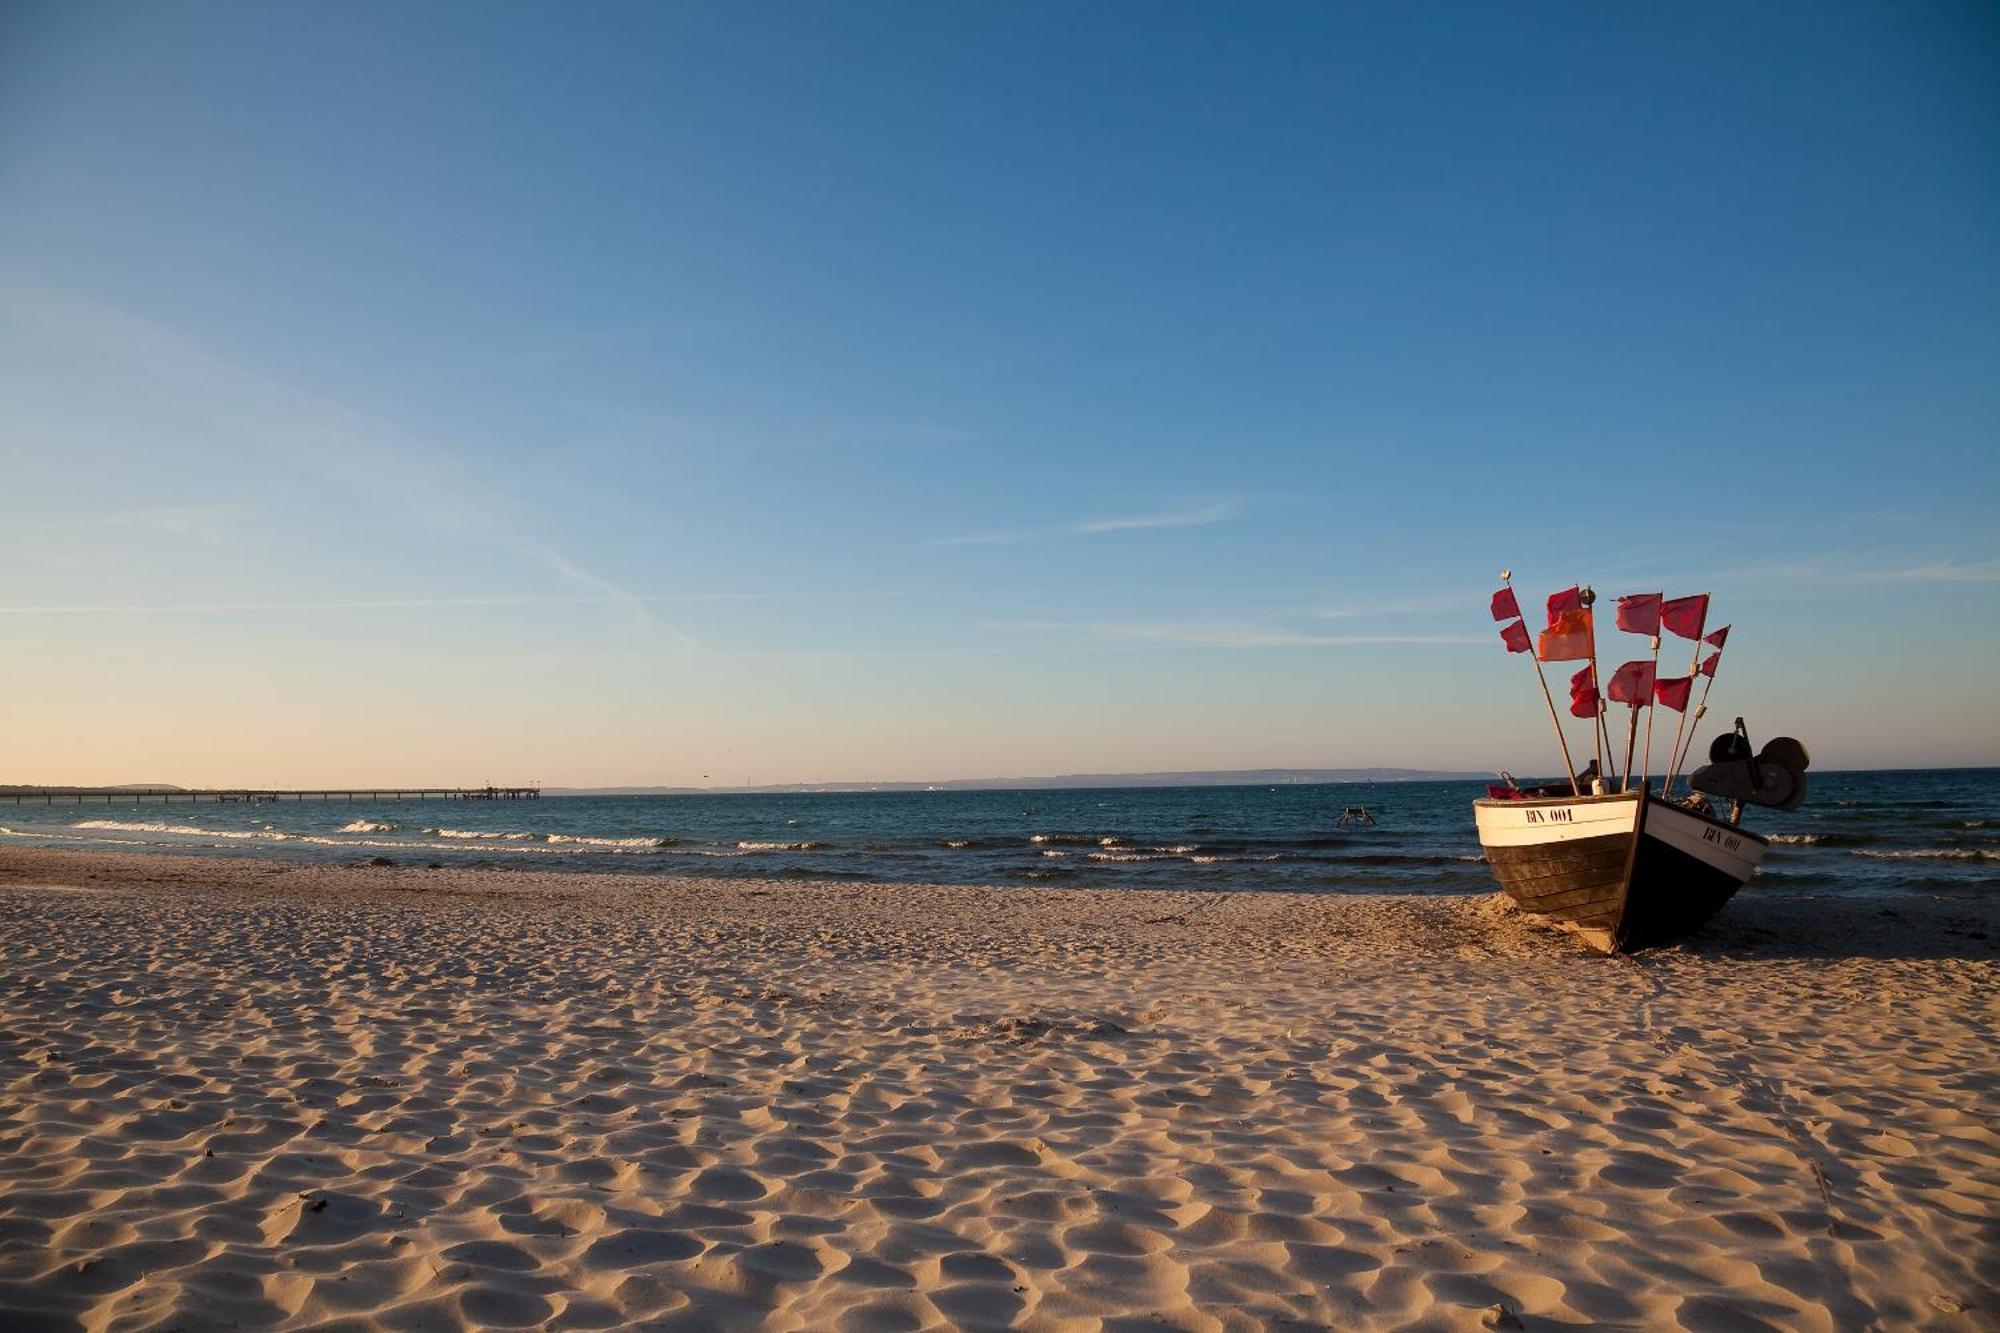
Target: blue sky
<point x="627" y="393"/>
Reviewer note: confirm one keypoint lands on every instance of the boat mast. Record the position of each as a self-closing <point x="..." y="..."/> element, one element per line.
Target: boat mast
<point x="1569" y="765"/>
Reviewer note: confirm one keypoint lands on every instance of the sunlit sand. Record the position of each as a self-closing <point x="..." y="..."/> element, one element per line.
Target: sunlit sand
<point x="240" y="1092"/>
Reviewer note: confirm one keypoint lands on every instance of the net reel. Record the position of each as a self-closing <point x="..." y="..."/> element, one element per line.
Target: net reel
<point x="1774" y="776"/>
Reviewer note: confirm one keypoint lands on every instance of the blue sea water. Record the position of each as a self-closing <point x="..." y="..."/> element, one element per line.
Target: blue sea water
<point x="1918" y="830"/>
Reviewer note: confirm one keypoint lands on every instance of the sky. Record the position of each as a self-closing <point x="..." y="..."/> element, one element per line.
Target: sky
<point x="711" y="394"/>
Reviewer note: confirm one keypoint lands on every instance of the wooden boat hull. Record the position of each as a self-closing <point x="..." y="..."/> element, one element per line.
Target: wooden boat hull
<point x="1626" y="871"/>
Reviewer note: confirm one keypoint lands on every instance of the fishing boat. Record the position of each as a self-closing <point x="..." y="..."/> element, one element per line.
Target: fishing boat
<point x="1622" y="865"/>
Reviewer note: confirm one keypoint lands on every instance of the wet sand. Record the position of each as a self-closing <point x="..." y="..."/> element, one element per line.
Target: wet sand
<point x="249" y="1093"/>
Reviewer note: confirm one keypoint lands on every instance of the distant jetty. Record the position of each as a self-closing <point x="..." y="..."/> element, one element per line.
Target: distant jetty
<point x="258" y="795"/>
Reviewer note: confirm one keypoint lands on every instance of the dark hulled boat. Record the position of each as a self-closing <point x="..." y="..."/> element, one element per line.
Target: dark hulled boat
<point x="1626" y="871"/>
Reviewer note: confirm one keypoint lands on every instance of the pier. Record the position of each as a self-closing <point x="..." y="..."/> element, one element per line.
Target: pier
<point x="264" y="796"/>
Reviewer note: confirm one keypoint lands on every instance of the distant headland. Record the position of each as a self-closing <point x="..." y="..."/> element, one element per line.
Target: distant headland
<point x="1230" y="777"/>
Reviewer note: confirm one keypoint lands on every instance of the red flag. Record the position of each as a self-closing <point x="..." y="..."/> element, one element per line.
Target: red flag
<point x="1562" y="603"/>
<point x="1639" y="613"/>
<point x="1632" y="683"/>
<point x="1582" y="695"/>
<point x="1708" y="667"/>
<point x="1717" y="639"/>
<point x="1504" y="605"/>
<point x="1515" y="636"/>
<point x="1686" y="615"/>
<point x="1567" y="639"/>
<point x="1673" y="692"/>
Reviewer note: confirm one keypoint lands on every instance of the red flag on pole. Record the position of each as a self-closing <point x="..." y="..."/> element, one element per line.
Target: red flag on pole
<point x="1673" y="692"/>
<point x="1632" y="683"/>
<point x="1686" y="615"/>
<point x="1582" y="695"/>
<point x="1504" y="605"/>
<point x="1708" y="667"/>
<point x="1640" y="613"/>
<point x="1564" y="602"/>
<point x="1567" y="639"/>
<point x="1515" y="636"/>
<point x="1717" y="639"/>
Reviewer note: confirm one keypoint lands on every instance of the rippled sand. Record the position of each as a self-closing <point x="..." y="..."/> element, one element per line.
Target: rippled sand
<point x="248" y="1094"/>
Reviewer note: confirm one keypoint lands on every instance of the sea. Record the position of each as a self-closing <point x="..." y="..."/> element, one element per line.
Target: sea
<point x="1922" y="831"/>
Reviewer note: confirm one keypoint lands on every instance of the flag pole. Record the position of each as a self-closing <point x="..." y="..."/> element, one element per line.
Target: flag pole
<point x="1699" y="709"/>
<point x="1631" y="739"/>
<point x="1646" y="769"/>
<point x="1694" y="665"/>
<point x="1569" y="766"/>
<point x="1589" y="600"/>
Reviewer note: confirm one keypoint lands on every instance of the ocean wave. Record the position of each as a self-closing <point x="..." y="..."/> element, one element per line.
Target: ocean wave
<point x="1067" y="839"/>
<point x="1937" y="854"/>
<point x="1808" y="839"/>
<point x="1132" y="856"/>
<point x="781" y="846"/>
<point x="185" y="830"/>
<point x="956" y="844"/>
<point x="368" y="826"/>
<point x="580" y="840"/>
<point x="482" y="835"/>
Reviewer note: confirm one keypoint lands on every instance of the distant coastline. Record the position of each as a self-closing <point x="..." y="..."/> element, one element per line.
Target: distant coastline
<point x="1228" y="777"/>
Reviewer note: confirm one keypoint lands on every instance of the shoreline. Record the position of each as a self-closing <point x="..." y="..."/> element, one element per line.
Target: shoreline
<point x="291" y="1093"/>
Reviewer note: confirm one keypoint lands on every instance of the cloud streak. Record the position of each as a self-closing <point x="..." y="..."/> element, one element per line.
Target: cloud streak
<point x="1196" y="635"/>
<point x="1195" y="518"/>
<point x="1947" y="571"/>
<point x="262" y="418"/>
<point x="1220" y="512"/>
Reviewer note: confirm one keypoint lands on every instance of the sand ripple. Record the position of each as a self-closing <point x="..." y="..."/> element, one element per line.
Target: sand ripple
<point x="297" y="1097"/>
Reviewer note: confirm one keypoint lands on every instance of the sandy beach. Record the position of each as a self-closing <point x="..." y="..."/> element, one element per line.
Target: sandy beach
<point x="240" y="1093"/>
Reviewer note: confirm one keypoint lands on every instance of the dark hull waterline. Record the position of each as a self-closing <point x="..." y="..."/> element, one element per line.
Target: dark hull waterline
<point x="1626" y="871"/>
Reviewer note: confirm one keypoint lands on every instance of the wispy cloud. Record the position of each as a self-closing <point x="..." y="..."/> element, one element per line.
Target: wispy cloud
<point x="1191" y="518"/>
<point x="1220" y="512"/>
<point x="206" y="525"/>
<point x="248" y="608"/>
<point x="417" y="480"/>
<point x="1463" y="601"/>
<point x="752" y="435"/>
<point x="1947" y="571"/>
<point x="1197" y="635"/>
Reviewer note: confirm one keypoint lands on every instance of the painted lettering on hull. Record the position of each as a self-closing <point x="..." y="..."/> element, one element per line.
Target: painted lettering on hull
<point x="1728" y="842"/>
<point x="1557" y="816"/>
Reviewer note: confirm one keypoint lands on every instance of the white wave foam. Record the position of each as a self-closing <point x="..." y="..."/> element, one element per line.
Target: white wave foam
<point x="612" y="842"/>
<point x="780" y="846"/>
<point x="1804" y="838"/>
<point x="957" y="844"/>
<point x="185" y="830"/>
<point x="480" y="835"/>
<point x="1936" y="854"/>
<point x="1129" y="856"/>
<point x="368" y="826"/>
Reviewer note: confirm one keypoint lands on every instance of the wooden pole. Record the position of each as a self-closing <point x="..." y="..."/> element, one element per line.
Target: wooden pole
<point x="1569" y="766"/>
<point x="1646" y="765"/>
<point x="1667" y="787"/>
<point x="1707" y="684"/>
<point x="1589" y="599"/>
<point x="1631" y="739"/>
